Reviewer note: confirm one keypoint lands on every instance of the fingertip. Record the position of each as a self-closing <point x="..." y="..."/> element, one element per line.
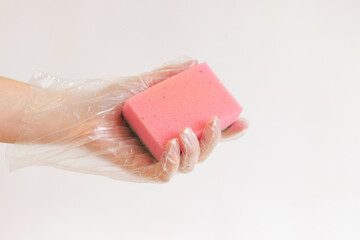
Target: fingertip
<point x="187" y="135"/>
<point x="170" y="160"/>
<point x="214" y="120"/>
<point x="190" y="150"/>
<point x="181" y="63"/>
<point x="175" y="144"/>
<point x="214" y="126"/>
<point x="210" y="137"/>
<point x="172" y="151"/>
<point x="244" y="122"/>
<point x="236" y="130"/>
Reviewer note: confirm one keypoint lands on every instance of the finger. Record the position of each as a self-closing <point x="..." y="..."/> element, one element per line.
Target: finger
<point x="167" y="166"/>
<point x="236" y="130"/>
<point x="209" y="138"/>
<point x="148" y="79"/>
<point x="169" y="69"/>
<point x="126" y="87"/>
<point x="190" y="150"/>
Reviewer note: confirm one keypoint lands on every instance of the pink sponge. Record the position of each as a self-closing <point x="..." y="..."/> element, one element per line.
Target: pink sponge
<point x="188" y="99"/>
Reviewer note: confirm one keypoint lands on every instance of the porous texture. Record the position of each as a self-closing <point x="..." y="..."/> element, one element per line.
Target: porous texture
<point x="188" y="99"/>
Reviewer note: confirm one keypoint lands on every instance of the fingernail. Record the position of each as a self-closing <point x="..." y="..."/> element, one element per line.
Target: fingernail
<point x="215" y="121"/>
<point x="247" y="123"/>
<point x="174" y="142"/>
<point x="188" y="132"/>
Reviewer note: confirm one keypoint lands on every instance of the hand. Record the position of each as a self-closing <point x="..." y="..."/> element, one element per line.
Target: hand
<point x="91" y="120"/>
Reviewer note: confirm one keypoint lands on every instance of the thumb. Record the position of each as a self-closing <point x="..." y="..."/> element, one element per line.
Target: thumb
<point x="145" y="80"/>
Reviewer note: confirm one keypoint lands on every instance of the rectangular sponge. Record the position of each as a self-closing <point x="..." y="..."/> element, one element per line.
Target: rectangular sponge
<point x="188" y="99"/>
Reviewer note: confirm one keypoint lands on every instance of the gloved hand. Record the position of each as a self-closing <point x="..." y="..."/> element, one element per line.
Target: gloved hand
<point x="77" y="125"/>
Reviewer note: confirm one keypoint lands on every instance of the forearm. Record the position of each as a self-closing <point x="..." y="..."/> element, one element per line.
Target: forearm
<point x="14" y="96"/>
<point x="29" y="114"/>
<point x="41" y="125"/>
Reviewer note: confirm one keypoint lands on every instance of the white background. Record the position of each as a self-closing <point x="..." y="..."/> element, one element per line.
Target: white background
<point x="293" y="65"/>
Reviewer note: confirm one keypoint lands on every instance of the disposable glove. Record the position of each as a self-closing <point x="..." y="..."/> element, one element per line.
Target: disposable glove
<point x="77" y="125"/>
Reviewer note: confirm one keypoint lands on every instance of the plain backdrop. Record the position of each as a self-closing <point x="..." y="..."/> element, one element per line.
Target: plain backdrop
<point x="293" y="65"/>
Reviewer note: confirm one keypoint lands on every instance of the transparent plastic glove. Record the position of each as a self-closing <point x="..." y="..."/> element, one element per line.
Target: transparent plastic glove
<point x="77" y="125"/>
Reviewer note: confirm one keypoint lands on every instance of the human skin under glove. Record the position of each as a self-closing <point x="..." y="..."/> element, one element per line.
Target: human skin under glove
<point x="77" y="125"/>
